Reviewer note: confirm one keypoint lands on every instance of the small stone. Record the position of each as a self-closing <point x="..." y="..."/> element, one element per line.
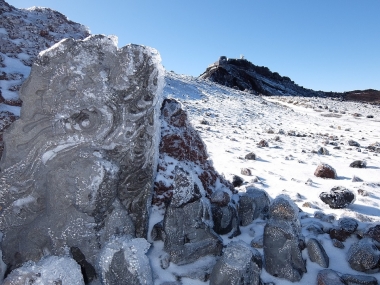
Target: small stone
<point x="358" y="164"/>
<point x="373" y="232"/>
<point x="237" y="181"/>
<point x="356" y="179"/>
<point x="263" y="143"/>
<point x="339" y="234"/>
<point x="323" y="151"/>
<point x="309" y="182"/>
<point x="348" y="224"/>
<point x="315" y="228"/>
<point x="353" y="143"/>
<point x="250" y="156"/>
<point x="246" y="171"/>
<point x="220" y="198"/>
<point x="325" y="171"/>
<point x="362" y="192"/>
<point x="337" y="243"/>
<point x="317" y="253"/>
<point x="257" y="242"/>
<point x="369" y="116"/>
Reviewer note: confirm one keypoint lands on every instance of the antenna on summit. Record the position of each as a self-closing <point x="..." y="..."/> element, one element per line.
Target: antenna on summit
<point x="241" y="56"/>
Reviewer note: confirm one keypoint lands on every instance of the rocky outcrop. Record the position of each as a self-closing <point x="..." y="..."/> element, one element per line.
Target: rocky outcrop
<point x="26" y="32"/>
<point x="79" y="164"/>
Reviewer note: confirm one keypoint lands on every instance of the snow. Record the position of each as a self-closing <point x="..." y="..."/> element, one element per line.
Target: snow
<point x="239" y="120"/>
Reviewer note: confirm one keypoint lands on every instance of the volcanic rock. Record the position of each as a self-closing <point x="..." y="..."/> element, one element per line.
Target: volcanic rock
<point x="373" y="232"/>
<point x="364" y="256"/>
<point x="250" y="156"/>
<point x="358" y="164"/>
<point x="329" y="277"/>
<point x="325" y="171"/>
<point x="359" y="279"/>
<point x="339" y="197"/>
<point x="78" y="165"/>
<point x="353" y="143"/>
<point x="237" y="181"/>
<point x="317" y="253"/>
<point x="252" y="205"/>
<point x="239" y="264"/>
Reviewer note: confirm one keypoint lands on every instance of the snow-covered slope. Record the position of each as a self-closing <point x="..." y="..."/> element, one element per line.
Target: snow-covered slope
<point x="232" y="123"/>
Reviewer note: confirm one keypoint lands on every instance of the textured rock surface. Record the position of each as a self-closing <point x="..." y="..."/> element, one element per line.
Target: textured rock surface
<point x="358" y="164"/>
<point x="339" y="197"/>
<point x="317" y="253"/>
<point x="252" y="205"/>
<point x="282" y="253"/>
<point x="50" y="270"/>
<point x="123" y="262"/>
<point x="78" y="165"/>
<point x="239" y="265"/>
<point x="225" y="219"/>
<point x="364" y="256"/>
<point x="359" y="279"/>
<point x="325" y="171"/>
<point x="329" y="277"/>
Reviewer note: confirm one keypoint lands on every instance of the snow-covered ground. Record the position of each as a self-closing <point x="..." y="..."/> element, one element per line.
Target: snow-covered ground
<point x="232" y="122"/>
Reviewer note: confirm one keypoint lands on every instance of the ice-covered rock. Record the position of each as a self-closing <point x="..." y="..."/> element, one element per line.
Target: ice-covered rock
<point x="49" y="270"/>
<point x="252" y="205"/>
<point x="339" y="197"/>
<point x="240" y="264"/>
<point x="79" y="164"/>
<point x="329" y="277"/>
<point x="123" y="261"/>
<point x="359" y="279"/>
<point x="317" y="253"/>
<point x="364" y="256"/>
<point x="225" y="219"/>
<point x="282" y="253"/>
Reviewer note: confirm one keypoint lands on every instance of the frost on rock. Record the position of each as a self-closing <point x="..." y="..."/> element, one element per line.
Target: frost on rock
<point x="79" y="165"/>
<point x="50" y="270"/>
<point x="123" y="261"/>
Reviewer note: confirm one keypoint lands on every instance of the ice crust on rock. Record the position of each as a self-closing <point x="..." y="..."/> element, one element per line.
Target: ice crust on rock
<point x="123" y="261"/>
<point x="49" y="270"/>
<point x="78" y="166"/>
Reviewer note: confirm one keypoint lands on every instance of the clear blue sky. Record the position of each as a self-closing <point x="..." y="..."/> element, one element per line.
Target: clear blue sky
<point x="329" y="45"/>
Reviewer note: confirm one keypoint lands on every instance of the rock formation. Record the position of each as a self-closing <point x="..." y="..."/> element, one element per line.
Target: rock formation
<point x="79" y="165"/>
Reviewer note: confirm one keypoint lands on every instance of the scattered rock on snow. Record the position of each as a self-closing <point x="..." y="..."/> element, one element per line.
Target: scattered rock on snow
<point x="246" y="171"/>
<point x="353" y="143"/>
<point x="359" y="279"/>
<point x="263" y="143"/>
<point x="337" y="243"/>
<point x="358" y="164"/>
<point x="356" y="179"/>
<point x="339" y="197"/>
<point x="323" y="151"/>
<point x="329" y="277"/>
<point x="325" y="171"/>
<point x="237" y="181"/>
<point x="250" y="156"/>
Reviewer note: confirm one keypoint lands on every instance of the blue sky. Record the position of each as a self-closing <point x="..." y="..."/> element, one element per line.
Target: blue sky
<point x="329" y="45"/>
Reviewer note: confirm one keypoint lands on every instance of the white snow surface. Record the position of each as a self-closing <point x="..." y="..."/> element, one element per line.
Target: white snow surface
<point x="237" y="121"/>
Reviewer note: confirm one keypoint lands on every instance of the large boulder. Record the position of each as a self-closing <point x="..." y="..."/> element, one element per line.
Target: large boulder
<point x="78" y="166"/>
<point x="329" y="277"/>
<point x="282" y="253"/>
<point x="317" y="253"/>
<point x="240" y="264"/>
<point x="325" y="171"/>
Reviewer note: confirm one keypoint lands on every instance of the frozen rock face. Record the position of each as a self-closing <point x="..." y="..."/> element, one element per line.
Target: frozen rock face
<point x="317" y="253"/>
<point x="79" y="164"/>
<point x="240" y="264"/>
<point x="50" y="270"/>
<point x="24" y="33"/>
<point x="282" y="254"/>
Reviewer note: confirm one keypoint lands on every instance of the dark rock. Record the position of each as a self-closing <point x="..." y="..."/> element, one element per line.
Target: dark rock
<point x="356" y="179"/>
<point x="362" y="192"/>
<point x="317" y="253"/>
<point x="369" y="116"/>
<point x="315" y="228"/>
<point x="220" y="198"/>
<point x="188" y="235"/>
<point x="337" y="243"/>
<point x="282" y="254"/>
<point x="225" y="219"/>
<point x="339" y="234"/>
<point x="237" y="181"/>
<point x="323" y="151"/>
<point x="358" y="164"/>
<point x="250" y="156"/>
<point x="364" y="256"/>
<point x="66" y="154"/>
<point x="359" y="279"/>
<point x="239" y="264"/>
<point x="373" y="232"/>
<point x="157" y="232"/>
<point x="329" y="277"/>
<point x="325" y="171"/>
<point x="353" y="143"/>
<point x="88" y="271"/>
<point x="263" y="143"/>
<point x="252" y="205"/>
<point x="348" y="224"/>
<point x="339" y="197"/>
<point x="323" y="217"/>
<point x="246" y="171"/>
